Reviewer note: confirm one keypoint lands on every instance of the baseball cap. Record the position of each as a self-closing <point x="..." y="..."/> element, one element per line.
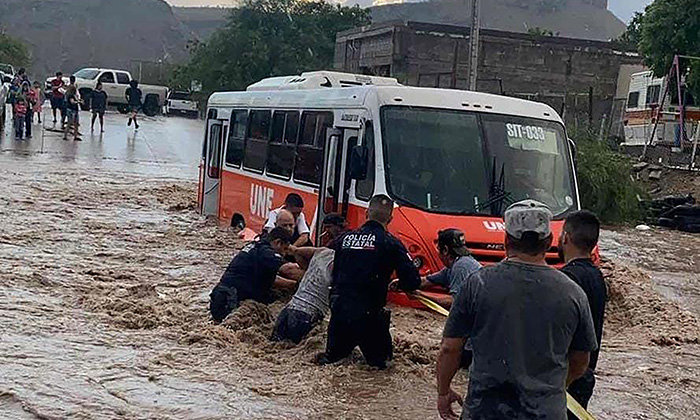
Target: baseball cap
<point x="528" y="216"/>
<point x="453" y="239"/>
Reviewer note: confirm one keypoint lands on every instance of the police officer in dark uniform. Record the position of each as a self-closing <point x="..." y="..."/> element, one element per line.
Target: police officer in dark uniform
<point x="364" y="262"/>
<point x="253" y="272"/>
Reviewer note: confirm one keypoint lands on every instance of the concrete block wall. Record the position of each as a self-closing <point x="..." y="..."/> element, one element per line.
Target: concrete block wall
<point x="562" y="72"/>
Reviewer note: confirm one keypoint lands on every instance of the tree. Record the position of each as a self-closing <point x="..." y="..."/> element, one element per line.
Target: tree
<point x="630" y="39"/>
<point x="537" y="31"/>
<point x="667" y="28"/>
<point x="13" y="51"/>
<point x="264" y="38"/>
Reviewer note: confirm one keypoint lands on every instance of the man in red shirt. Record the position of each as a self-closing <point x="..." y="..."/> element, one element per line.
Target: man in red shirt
<point x="58" y="97"/>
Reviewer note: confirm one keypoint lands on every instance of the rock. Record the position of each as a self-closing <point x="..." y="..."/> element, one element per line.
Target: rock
<point x="655" y="175"/>
<point x="643" y="228"/>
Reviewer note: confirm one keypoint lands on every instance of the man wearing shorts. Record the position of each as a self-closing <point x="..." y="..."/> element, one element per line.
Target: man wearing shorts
<point x="72" y="113"/>
<point x="57" y="97"/>
<point x="99" y="105"/>
<point x="133" y="99"/>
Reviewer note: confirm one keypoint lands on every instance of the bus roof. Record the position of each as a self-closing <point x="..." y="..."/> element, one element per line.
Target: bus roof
<point x="355" y="97"/>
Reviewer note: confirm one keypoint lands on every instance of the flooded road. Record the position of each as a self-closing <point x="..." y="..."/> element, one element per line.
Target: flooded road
<point x="105" y="270"/>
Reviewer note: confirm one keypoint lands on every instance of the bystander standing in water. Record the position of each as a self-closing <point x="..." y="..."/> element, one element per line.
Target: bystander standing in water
<point x="72" y="113"/>
<point x="99" y="106"/>
<point x="133" y="100"/>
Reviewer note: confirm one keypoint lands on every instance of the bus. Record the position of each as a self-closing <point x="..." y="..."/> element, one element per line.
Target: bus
<point x="449" y="158"/>
<point x="646" y="104"/>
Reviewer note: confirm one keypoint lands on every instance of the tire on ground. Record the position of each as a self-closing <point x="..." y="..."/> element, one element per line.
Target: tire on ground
<point x="151" y="105"/>
<point x="238" y="222"/>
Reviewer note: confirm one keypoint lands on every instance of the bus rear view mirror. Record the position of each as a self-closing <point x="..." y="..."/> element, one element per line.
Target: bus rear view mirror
<point x="358" y="163"/>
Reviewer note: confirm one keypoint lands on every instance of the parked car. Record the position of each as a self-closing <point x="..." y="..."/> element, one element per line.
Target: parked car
<point x="115" y="83"/>
<point x="7" y="69"/>
<point x="181" y="103"/>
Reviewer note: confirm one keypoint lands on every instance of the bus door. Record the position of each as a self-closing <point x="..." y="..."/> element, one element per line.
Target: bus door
<point x="213" y="153"/>
<point x="335" y="184"/>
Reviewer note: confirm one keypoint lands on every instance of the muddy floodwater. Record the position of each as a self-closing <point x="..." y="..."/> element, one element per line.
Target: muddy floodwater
<point x="105" y="270"/>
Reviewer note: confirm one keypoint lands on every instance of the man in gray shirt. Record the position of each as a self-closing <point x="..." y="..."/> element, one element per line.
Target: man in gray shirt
<point x="530" y="327"/>
<point x="459" y="265"/>
<point x="311" y="302"/>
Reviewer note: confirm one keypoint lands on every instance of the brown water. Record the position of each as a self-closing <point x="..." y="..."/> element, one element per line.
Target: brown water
<point x="104" y="282"/>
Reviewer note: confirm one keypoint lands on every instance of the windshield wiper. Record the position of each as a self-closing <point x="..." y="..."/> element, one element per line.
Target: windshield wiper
<point x="498" y="196"/>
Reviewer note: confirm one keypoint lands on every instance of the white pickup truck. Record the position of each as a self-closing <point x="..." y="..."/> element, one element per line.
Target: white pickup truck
<point x="115" y="83"/>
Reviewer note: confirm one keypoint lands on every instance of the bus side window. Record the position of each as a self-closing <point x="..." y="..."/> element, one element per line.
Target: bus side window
<point x="364" y="189"/>
<point x="236" y="139"/>
<point x="309" y="161"/>
<point x="283" y="142"/>
<point x="214" y="151"/>
<point x="256" y="144"/>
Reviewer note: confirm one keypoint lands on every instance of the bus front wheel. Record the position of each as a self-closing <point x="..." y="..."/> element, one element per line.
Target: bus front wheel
<point x="238" y="222"/>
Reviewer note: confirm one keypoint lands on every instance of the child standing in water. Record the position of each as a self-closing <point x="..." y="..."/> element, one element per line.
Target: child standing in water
<point x="20" y="114"/>
<point x="99" y="105"/>
<point x="39" y="100"/>
<point x="30" y="96"/>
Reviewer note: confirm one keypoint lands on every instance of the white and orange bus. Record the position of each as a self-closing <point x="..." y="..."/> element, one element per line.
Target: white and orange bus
<point x="448" y="158"/>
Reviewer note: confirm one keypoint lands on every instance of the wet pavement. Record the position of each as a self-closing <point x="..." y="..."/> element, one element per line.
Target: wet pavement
<point x="105" y="270"/>
<point x="170" y="145"/>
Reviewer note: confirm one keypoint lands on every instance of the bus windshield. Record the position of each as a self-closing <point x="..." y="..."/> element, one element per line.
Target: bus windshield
<point x="456" y="162"/>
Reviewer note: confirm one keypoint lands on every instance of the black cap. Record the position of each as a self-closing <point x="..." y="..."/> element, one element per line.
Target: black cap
<point x="453" y="240"/>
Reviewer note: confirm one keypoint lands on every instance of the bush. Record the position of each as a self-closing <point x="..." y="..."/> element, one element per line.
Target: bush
<point x="605" y="184"/>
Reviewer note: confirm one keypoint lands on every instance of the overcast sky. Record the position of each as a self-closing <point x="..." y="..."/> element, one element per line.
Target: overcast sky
<point x="624" y="9"/>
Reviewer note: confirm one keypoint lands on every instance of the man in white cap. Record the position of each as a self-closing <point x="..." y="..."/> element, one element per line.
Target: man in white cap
<point x="530" y="328"/>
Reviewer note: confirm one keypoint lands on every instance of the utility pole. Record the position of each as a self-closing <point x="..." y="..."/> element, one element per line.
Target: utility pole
<point x="474" y="44"/>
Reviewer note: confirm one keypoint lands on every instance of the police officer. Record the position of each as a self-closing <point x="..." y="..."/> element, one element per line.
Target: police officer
<point x="364" y="262"/>
<point x="253" y="272"/>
